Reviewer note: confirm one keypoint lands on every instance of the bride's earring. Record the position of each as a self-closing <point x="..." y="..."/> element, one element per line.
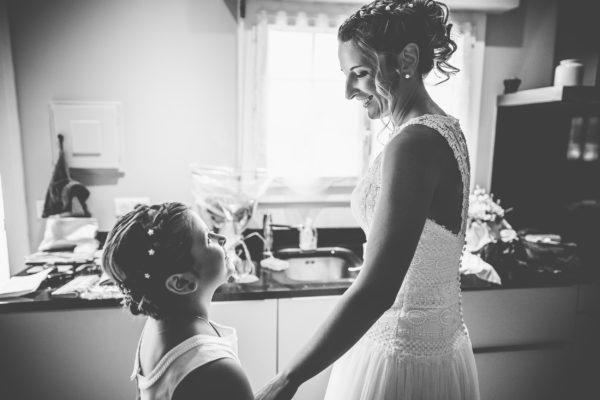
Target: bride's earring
<point x="406" y="76"/>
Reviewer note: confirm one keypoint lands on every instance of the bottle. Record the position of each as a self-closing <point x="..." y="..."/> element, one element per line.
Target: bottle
<point x="267" y="235"/>
<point x="569" y="73"/>
<point x="308" y="236"/>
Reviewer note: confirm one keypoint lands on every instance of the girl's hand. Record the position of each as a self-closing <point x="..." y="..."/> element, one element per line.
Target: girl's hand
<point x="278" y="388"/>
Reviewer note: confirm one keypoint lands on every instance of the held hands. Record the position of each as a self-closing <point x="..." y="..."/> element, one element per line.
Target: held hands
<point x="278" y="388"/>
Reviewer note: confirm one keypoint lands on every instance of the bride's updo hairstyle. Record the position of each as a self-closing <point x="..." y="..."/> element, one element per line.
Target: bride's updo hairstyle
<point x="146" y="246"/>
<point x="381" y="30"/>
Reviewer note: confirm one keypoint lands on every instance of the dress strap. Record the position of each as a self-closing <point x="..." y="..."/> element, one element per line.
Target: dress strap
<point x="449" y="128"/>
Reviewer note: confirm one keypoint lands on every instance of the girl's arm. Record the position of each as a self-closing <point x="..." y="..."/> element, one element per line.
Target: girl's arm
<point x="222" y="379"/>
<point x="411" y="167"/>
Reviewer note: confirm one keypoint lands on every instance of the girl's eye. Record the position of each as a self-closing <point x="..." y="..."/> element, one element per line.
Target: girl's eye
<point x="361" y="74"/>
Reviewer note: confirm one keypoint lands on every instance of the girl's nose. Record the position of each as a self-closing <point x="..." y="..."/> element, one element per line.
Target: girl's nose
<point x="220" y="239"/>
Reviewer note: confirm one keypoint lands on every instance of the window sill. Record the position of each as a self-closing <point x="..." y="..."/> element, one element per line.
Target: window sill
<point x="329" y="192"/>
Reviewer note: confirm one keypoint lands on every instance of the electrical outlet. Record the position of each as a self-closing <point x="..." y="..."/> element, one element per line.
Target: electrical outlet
<point x="125" y="204"/>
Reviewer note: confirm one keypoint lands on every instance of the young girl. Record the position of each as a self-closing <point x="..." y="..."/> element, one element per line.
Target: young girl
<point x="168" y="265"/>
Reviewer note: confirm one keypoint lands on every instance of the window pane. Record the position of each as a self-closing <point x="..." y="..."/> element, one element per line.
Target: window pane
<point x="289" y="54"/>
<point x="311" y="129"/>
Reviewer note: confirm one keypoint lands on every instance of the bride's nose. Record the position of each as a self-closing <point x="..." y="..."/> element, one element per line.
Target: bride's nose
<point x="350" y="88"/>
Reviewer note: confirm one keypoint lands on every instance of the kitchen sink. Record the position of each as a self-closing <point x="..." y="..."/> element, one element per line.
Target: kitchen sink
<point x="325" y="265"/>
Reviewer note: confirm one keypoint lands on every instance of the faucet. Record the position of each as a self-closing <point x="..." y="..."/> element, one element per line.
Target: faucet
<point x="305" y="242"/>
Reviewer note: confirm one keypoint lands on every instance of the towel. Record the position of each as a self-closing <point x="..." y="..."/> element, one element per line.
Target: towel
<point x="65" y="197"/>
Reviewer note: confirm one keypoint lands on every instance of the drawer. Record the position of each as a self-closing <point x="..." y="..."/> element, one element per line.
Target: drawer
<point x="507" y="317"/>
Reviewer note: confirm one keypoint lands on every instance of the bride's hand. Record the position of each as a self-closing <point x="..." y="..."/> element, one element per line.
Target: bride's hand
<point x="278" y="388"/>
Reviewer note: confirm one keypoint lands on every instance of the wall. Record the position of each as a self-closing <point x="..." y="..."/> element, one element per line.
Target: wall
<point x="518" y="43"/>
<point x="171" y="63"/>
<point x="14" y="214"/>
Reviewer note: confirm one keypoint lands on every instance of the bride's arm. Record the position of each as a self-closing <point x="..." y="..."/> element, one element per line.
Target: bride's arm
<point x="410" y="172"/>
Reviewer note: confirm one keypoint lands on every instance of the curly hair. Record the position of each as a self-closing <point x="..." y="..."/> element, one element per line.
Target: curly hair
<point x="386" y="27"/>
<point x="144" y="247"/>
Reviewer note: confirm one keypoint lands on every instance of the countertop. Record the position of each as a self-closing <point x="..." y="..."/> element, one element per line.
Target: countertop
<point x="268" y="288"/>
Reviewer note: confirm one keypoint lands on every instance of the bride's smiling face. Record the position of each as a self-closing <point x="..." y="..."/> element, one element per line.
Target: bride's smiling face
<point x="360" y="80"/>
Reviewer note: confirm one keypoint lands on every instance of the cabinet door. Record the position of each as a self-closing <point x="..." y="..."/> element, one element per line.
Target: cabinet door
<point x="524" y="375"/>
<point x="587" y="345"/>
<point x="299" y="318"/>
<point x="510" y="317"/>
<point x="256" y="325"/>
<point x="68" y="354"/>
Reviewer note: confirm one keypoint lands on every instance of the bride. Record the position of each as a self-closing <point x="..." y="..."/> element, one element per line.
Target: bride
<point x="398" y="331"/>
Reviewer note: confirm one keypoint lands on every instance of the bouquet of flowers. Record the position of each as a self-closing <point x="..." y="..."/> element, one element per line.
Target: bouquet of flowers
<point x="486" y="222"/>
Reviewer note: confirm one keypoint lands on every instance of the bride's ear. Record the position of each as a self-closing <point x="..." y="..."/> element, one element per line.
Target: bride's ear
<point x="408" y="60"/>
<point x="182" y="284"/>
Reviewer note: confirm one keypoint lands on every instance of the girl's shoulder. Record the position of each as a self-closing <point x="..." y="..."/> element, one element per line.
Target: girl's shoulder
<point x="222" y="378"/>
<point x="187" y="356"/>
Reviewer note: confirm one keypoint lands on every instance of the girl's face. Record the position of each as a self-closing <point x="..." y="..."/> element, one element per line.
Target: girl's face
<point x="211" y="260"/>
<point x="360" y="80"/>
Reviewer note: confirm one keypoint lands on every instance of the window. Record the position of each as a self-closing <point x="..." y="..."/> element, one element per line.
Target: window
<point x="296" y="121"/>
<point x="311" y="130"/>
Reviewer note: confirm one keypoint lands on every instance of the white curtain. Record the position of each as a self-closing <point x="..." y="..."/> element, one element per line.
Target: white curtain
<point x="296" y="121"/>
<point x="459" y="96"/>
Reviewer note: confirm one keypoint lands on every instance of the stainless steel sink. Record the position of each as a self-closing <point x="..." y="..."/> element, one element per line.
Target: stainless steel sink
<point x="325" y="265"/>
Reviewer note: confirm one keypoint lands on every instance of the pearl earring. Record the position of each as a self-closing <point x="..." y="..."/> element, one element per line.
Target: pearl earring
<point x="407" y="76"/>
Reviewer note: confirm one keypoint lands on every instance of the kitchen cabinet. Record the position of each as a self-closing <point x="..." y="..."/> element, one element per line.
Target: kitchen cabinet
<point x="256" y="325"/>
<point x="528" y="344"/>
<point x="587" y="343"/>
<point x="523" y="341"/>
<point x="68" y="354"/>
<point x="89" y="353"/>
<point x="524" y="374"/>
<point x="299" y="318"/>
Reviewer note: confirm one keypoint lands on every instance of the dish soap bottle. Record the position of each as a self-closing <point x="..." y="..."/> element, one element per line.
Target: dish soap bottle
<point x="308" y="236"/>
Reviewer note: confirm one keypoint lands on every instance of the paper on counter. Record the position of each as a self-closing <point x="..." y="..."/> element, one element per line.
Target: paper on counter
<point x="21" y="285"/>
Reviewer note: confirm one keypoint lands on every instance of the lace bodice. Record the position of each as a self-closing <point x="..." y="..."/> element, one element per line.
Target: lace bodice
<point x="426" y="317"/>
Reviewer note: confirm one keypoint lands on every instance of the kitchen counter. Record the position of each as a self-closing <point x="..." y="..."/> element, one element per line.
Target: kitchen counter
<point x="268" y="288"/>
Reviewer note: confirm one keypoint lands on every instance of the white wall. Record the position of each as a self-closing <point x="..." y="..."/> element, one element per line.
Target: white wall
<point x="171" y="63"/>
<point x="14" y="218"/>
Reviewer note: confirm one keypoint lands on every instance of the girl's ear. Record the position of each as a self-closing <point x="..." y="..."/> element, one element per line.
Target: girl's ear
<point x="182" y="284"/>
<point x="408" y="60"/>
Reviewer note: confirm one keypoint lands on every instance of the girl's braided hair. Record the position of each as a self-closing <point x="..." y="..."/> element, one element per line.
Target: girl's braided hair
<point x="144" y="247"/>
<point x="386" y="26"/>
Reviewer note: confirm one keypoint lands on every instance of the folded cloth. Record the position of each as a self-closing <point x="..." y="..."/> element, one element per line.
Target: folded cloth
<point x="473" y="264"/>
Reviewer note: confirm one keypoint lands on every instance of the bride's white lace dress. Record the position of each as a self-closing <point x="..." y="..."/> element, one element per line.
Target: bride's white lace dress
<point x="420" y="347"/>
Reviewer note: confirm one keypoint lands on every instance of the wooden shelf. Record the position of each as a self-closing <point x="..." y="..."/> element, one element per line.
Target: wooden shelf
<point x="550" y="94"/>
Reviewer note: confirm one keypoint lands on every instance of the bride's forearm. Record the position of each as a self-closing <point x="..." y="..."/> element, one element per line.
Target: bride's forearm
<point x="354" y="314"/>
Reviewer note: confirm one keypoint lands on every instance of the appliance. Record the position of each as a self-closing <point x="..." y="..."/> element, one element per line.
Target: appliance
<point x="546" y="165"/>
